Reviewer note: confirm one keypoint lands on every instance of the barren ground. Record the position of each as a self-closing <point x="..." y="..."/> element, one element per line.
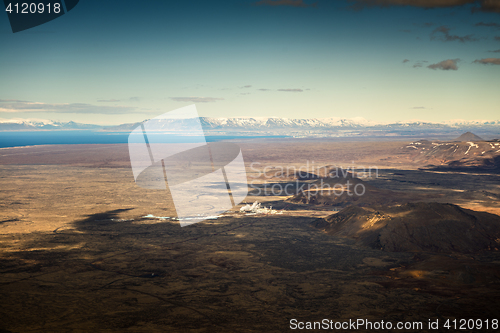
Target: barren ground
<point x="77" y="253"/>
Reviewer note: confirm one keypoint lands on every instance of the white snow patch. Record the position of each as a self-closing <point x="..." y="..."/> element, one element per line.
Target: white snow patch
<point x="472" y="144"/>
<point x="151" y="216"/>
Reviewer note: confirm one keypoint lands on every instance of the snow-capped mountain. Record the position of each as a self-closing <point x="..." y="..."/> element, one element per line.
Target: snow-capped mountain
<point x="461" y="122"/>
<point x="313" y="127"/>
<point x="252" y="124"/>
<point x="42" y="124"/>
<point x="274" y="122"/>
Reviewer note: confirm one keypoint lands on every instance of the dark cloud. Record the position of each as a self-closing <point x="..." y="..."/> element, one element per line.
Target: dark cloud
<point x="443" y="33"/>
<point x="497" y="38"/>
<point x="291" y="90"/>
<point x="496" y="51"/>
<point x="488" y="61"/>
<point x="424" y="25"/>
<point x="359" y="4"/>
<point x="264" y="89"/>
<point x="450" y="64"/>
<point x="418" y="107"/>
<point x="417" y="65"/>
<point x="490" y="25"/>
<point x="247" y="86"/>
<point x="292" y="3"/>
<point x="405" y="61"/>
<point x="83" y="108"/>
<point x="196" y="99"/>
<point x="481" y="5"/>
<point x="489" y="6"/>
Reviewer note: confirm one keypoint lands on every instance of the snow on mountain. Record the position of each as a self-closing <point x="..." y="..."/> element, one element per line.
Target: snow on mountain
<point x="274" y="122"/>
<point x="273" y="126"/>
<point x="462" y="122"/>
<point x="41" y="124"/>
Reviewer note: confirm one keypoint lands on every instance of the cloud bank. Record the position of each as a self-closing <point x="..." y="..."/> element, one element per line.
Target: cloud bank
<point x="9" y="105"/>
<point x="490" y="25"/>
<point x="480" y="5"/>
<point x="488" y="61"/>
<point x="443" y="33"/>
<point x="292" y="3"/>
<point x="446" y="65"/>
<point x="108" y="100"/>
<point x="291" y="90"/>
<point x="196" y="99"/>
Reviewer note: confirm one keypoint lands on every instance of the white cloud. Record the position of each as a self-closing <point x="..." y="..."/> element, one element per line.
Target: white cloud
<point x="196" y="99"/>
<point x="9" y="105"/>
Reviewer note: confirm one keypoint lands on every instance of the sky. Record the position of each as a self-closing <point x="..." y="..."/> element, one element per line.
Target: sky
<point x="113" y="62"/>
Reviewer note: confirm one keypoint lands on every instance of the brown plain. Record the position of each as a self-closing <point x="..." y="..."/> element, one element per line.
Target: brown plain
<point x="77" y="252"/>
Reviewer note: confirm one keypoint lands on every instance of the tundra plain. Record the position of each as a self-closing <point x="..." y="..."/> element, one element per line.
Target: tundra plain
<point x="83" y="248"/>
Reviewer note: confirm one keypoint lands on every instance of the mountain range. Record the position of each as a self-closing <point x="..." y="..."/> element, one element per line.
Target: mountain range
<point x="313" y="127"/>
<point x="40" y="124"/>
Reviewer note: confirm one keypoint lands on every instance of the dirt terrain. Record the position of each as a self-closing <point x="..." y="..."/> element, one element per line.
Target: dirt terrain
<point x="417" y="227"/>
<point x="83" y="248"/>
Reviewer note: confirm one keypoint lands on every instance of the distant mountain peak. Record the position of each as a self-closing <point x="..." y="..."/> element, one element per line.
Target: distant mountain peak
<point x="469" y="136"/>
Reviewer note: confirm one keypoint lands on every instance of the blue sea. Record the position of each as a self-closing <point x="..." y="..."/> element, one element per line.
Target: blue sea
<point x="35" y="138"/>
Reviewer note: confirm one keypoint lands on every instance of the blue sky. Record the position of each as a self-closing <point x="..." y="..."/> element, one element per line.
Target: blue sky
<point x="113" y="62"/>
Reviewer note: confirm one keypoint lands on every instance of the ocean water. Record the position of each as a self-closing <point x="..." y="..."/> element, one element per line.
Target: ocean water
<point x="35" y="138"/>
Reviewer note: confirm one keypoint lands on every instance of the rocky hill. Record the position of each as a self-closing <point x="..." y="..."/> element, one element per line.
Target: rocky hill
<point x="416" y="227"/>
<point x="454" y="154"/>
